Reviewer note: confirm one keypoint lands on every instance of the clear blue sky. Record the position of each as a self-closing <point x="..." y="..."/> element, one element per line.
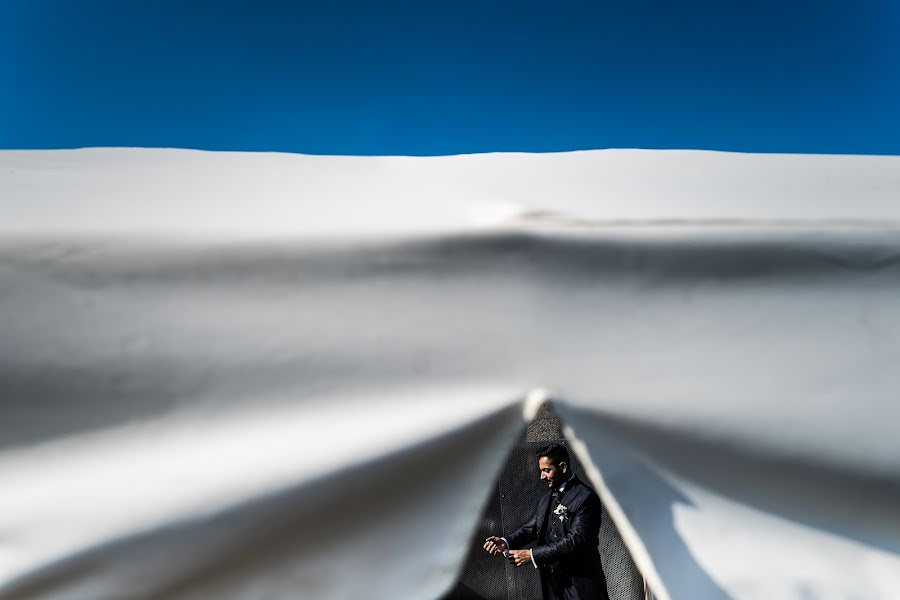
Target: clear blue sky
<point x="440" y="77"/>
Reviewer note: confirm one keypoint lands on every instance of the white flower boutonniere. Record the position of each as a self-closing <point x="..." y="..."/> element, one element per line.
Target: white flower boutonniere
<point x="561" y="511"/>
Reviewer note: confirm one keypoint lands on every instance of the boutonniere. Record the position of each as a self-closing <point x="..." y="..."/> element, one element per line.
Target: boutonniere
<point x="561" y="512"/>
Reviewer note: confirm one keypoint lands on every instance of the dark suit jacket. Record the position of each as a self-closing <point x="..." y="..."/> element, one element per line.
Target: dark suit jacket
<point x="565" y="549"/>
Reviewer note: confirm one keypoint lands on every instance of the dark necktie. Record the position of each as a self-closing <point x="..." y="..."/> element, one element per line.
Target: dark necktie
<point x="554" y="498"/>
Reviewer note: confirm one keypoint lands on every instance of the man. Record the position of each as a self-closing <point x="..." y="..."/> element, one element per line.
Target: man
<point x="564" y="532"/>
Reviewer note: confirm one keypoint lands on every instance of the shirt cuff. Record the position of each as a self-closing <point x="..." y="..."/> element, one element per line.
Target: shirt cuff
<point x="505" y="541"/>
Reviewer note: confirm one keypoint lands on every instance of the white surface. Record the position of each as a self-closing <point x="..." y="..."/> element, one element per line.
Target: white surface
<point x="194" y="344"/>
<point x="129" y="190"/>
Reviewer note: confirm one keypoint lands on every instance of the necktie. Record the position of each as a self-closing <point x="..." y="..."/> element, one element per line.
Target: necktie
<point x="546" y="524"/>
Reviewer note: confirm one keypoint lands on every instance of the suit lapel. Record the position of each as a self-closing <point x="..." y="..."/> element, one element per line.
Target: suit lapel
<point x="544" y="505"/>
<point x="571" y="484"/>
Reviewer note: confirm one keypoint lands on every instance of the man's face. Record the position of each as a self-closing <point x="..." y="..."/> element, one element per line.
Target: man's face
<point x="554" y="475"/>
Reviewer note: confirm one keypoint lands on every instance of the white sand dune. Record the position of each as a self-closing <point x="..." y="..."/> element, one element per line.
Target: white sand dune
<point x="228" y="193"/>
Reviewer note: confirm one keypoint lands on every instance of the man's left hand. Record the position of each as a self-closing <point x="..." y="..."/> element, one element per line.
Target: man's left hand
<point x="521" y="557"/>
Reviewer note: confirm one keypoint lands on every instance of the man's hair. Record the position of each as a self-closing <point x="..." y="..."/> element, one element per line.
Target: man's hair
<point x="556" y="454"/>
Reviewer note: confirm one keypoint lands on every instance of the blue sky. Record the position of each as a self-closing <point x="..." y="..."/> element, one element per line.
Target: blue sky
<point x="442" y="77"/>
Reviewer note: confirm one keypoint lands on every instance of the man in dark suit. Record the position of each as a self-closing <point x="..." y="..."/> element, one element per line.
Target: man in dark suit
<point x="564" y="534"/>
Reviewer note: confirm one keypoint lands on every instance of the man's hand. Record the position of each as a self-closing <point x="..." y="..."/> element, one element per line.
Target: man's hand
<point x="495" y="545"/>
<point x="521" y="557"/>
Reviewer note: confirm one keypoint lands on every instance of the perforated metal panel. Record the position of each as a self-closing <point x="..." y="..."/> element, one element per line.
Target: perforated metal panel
<point x="512" y="501"/>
